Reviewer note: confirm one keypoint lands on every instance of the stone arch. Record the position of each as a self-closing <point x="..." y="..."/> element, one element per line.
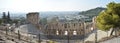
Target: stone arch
<point x="74" y="32"/>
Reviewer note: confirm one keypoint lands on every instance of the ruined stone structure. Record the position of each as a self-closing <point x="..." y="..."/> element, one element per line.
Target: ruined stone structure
<point x="56" y="29"/>
<point x="61" y="30"/>
<point x="94" y="22"/>
<point x="33" y="18"/>
<point x="71" y="28"/>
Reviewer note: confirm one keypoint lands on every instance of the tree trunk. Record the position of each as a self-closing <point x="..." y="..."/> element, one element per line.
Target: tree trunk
<point x="112" y="31"/>
<point x="116" y="31"/>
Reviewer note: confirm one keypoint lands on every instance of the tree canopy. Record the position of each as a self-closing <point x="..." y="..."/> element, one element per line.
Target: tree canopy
<point x="109" y="18"/>
<point x="6" y="18"/>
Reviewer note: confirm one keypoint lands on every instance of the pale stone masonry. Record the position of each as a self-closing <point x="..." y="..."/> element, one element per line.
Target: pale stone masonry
<point x="71" y="28"/>
<point x="94" y="22"/>
<point x="33" y="18"/>
<point x="75" y="29"/>
<point x="59" y="28"/>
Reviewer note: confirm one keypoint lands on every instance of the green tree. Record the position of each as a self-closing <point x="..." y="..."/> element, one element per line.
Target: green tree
<point x="8" y="18"/>
<point x="43" y="21"/>
<point x="4" y="17"/>
<point x="109" y="18"/>
<point x="15" y="21"/>
<point x="0" y="21"/>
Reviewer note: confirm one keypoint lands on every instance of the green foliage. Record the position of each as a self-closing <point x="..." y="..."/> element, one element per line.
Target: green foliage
<point x="43" y="21"/>
<point x="4" y="15"/>
<point x="0" y="21"/>
<point x="6" y="18"/>
<point x="110" y="18"/>
<point x="92" y="12"/>
<point x="103" y="20"/>
<point x="51" y="41"/>
<point x="15" y="21"/>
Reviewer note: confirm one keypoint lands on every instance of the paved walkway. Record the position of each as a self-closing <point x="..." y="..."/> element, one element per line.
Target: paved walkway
<point x="100" y="34"/>
<point x="114" y="40"/>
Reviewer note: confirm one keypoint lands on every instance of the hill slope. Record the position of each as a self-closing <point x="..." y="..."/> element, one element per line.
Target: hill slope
<point x="92" y="12"/>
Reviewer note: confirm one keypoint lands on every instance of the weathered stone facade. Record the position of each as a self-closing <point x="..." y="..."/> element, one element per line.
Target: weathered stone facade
<point x="94" y="22"/>
<point x="72" y="28"/>
<point x="61" y="30"/>
<point x="33" y="18"/>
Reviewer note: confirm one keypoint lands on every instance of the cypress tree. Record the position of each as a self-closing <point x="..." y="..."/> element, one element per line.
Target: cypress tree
<point x="4" y="17"/>
<point x="8" y="17"/>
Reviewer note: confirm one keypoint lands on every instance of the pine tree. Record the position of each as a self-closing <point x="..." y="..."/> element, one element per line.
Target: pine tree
<point x="110" y="18"/>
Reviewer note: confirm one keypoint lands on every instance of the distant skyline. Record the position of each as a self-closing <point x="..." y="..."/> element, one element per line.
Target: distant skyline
<point x="51" y="5"/>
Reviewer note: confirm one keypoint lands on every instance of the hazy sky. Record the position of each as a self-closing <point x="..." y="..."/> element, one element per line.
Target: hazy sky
<point x="51" y="5"/>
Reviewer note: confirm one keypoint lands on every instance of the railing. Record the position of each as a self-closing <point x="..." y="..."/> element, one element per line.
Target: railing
<point x="14" y="36"/>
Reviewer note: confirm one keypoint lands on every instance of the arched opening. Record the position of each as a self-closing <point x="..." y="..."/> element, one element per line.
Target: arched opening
<point x="74" y="32"/>
<point x="57" y="32"/>
<point x="66" y="33"/>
